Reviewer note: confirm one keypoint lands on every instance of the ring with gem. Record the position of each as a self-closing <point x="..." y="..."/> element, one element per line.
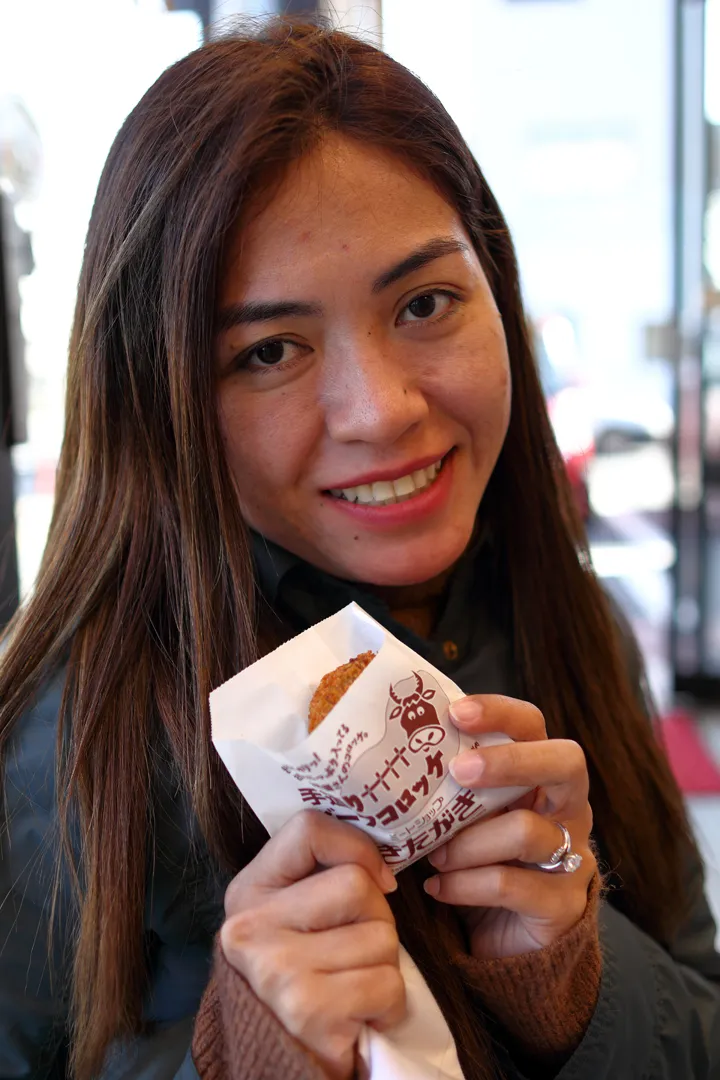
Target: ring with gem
<point x="563" y="858"/>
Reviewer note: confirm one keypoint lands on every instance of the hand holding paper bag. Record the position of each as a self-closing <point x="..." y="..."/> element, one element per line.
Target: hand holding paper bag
<point x="310" y="929"/>
<point x="322" y="950"/>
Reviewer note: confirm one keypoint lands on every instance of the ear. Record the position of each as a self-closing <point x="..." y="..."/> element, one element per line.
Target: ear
<point x="395" y="713"/>
<point x="428" y="694"/>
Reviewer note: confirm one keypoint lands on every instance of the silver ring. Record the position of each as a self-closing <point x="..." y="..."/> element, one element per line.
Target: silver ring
<point x="563" y="858"/>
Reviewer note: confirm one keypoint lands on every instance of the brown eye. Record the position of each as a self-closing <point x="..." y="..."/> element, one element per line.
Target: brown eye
<point x="422" y="307"/>
<point x="429" y="307"/>
<point x="272" y="352"/>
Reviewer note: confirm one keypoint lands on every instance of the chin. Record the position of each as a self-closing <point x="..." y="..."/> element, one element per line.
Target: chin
<point x="409" y="567"/>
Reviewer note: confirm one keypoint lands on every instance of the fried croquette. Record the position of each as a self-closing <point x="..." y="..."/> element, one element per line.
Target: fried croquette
<point x="332" y="687"/>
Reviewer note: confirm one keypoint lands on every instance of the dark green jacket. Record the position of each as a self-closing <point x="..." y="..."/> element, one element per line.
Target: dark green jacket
<point x="658" y="1016"/>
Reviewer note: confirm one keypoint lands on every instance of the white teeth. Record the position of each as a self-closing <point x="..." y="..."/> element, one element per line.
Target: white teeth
<point x="404" y="486"/>
<point x="387" y="492"/>
<point x="383" y="491"/>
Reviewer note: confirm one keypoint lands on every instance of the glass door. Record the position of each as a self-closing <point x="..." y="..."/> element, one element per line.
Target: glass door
<point x="696" y="629"/>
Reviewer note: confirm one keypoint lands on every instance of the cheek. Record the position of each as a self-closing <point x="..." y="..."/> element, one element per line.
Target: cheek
<point x="267" y="442"/>
<point x="477" y="388"/>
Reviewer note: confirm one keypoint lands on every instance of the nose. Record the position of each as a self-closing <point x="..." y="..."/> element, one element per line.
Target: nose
<point x="427" y="736"/>
<point x="369" y="395"/>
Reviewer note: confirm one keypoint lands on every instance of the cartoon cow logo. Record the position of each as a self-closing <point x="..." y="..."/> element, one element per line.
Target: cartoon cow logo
<point x="418" y="717"/>
<point x="390" y="783"/>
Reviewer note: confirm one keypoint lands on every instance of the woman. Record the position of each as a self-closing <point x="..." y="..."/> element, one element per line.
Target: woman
<point x="299" y="302"/>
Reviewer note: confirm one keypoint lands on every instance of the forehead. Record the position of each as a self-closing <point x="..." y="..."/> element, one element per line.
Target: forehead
<point x="344" y="202"/>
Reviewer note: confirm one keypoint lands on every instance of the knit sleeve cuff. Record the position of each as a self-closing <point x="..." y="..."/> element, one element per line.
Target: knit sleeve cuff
<point x="544" y="999"/>
<point x="237" y="1037"/>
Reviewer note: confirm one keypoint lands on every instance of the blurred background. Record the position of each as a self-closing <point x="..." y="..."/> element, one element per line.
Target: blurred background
<point x="597" y="124"/>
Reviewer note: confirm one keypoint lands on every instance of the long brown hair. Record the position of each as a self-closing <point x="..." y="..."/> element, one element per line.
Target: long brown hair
<point x="146" y="589"/>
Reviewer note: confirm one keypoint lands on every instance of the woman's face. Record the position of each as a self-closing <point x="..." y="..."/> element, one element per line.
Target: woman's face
<point x="364" y="385"/>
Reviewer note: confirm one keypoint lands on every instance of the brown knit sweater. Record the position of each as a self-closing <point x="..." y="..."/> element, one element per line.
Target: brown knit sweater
<point x="543" y="999"/>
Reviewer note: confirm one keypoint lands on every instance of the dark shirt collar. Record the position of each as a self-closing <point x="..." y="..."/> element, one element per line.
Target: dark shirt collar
<point x="469" y="619"/>
<point x="272" y="564"/>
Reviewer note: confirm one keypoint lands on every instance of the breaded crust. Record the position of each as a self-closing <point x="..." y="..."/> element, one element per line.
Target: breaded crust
<point x="332" y="687"/>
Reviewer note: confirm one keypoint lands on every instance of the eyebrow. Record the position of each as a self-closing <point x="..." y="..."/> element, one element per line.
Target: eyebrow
<point x="254" y="311"/>
<point x="264" y="311"/>
<point x="434" y="249"/>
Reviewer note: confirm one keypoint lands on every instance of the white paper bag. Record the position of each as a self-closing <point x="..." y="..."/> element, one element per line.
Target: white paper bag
<point x="379" y="760"/>
<point x="421" y="1047"/>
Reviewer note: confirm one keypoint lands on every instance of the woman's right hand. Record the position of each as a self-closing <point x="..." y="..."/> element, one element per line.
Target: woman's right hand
<point x="308" y="926"/>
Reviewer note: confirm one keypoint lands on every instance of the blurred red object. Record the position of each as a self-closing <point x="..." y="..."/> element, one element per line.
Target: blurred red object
<point x="690" y="760"/>
<point x="568" y="400"/>
<point x="571" y="418"/>
<point x="576" y="466"/>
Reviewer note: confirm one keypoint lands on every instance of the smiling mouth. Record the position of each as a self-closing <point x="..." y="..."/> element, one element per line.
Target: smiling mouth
<point x="387" y="492"/>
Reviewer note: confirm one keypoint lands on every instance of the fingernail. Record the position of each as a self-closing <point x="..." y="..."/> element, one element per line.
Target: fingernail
<point x="438" y="857"/>
<point x="466" y="711"/>
<point x="389" y="882"/>
<point x="467" y="768"/>
<point x="432" y="886"/>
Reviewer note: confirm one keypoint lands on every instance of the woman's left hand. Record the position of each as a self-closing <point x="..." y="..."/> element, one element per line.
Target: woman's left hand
<point x="490" y="869"/>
